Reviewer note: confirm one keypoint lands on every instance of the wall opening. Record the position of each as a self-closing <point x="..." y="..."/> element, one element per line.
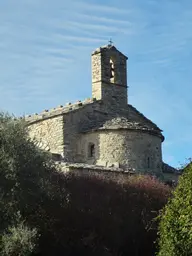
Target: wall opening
<point x="56" y="157"/>
<point x="148" y="162"/>
<point x="91" y="150"/>
<point x="112" y="70"/>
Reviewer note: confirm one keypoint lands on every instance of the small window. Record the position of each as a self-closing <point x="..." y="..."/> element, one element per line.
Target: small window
<point x="91" y="150"/>
<point x="111" y="69"/>
<point x="56" y="157"/>
<point x="148" y="162"/>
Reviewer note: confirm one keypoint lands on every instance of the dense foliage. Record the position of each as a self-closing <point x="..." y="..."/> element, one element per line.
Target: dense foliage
<point x="19" y="240"/>
<point x="22" y="171"/>
<point x="176" y="220"/>
<point x="46" y="212"/>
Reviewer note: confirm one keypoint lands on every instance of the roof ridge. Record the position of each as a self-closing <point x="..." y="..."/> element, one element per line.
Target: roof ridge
<point x="58" y="110"/>
<point x="141" y="114"/>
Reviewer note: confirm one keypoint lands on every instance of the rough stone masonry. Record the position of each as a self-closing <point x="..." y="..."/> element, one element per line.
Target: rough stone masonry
<point x="103" y="130"/>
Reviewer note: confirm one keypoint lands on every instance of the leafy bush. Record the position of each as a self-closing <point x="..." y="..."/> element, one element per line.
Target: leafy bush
<point x="111" y="213"/>
<point x="175" y="228"/>
<point x="19" y="241"/>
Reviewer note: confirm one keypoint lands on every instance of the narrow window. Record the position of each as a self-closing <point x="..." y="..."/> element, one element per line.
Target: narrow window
<point x="91" y="150"/>
<point x="111" y="69"/>
<point x="148" y="162"/>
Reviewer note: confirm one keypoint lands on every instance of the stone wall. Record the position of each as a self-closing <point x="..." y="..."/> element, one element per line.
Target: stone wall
<point x="86" y="169"/>
<point x="74" y="122"/>
<point x="48" y="134"/>
<point x="56" y="129"/>
<point x="125" y="148"/>
<point x="78" y="122"/>
<point x="71" y="134"/>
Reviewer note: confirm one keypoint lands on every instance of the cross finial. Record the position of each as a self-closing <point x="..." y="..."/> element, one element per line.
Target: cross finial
<point x="110" y="42"/>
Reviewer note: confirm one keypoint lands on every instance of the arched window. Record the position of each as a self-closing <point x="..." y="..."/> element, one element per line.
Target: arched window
<point x="111" y="69"/>
<point x="91" y="150"/>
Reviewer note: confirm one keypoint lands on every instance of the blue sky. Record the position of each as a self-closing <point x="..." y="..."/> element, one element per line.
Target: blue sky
<point x="45" y="51"/>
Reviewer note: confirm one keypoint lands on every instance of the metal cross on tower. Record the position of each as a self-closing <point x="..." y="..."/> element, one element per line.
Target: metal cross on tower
<point x="110" y="42"/>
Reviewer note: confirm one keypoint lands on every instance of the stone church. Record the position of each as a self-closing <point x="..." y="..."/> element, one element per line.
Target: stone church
<point x="104" y="130"/>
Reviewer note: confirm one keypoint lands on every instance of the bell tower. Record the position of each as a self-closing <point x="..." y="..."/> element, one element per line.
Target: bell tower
<point x="109" y="75"/>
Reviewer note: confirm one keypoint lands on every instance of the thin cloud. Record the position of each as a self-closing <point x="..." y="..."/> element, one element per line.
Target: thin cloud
<point x="100" y="27"/>
<point x="79" y="39"/>
<point x="102" y="19"/>
<point x="101" y="8"/>
<point x="162" y="62"/>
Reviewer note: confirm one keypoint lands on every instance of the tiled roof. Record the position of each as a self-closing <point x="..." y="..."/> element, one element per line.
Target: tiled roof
<point x="118" y="123"/>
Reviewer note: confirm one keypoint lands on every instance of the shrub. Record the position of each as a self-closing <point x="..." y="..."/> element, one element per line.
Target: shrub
<point x="175" y="228"/>
<point x="107" y="214"/>
<point x="19" y="240"/>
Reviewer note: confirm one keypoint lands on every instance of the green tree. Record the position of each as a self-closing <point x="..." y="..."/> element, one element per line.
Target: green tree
<point x="175" y="228"/>
<point x="19" y="240"/>
<point x="22" y="170"/>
